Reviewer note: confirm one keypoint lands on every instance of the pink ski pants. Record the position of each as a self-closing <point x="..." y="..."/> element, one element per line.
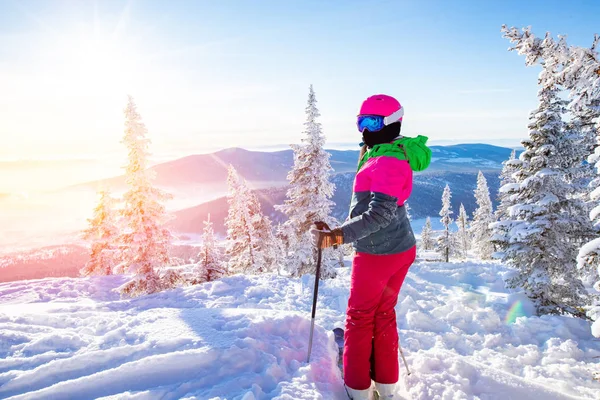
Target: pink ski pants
<point x="371" y="335"/>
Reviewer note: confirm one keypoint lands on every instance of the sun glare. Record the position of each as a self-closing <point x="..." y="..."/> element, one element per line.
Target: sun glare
<point x="95" y="63"/>
<point x="76" y="76"/>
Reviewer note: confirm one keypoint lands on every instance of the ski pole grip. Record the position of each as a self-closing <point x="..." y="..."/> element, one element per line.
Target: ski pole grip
<point x="323" y="226"/>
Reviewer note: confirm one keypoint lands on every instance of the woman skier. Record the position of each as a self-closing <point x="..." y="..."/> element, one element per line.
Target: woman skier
<point x="385" y="245"/>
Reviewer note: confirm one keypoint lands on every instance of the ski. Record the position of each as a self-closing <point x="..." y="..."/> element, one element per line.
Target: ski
<point x="339" y="340"/>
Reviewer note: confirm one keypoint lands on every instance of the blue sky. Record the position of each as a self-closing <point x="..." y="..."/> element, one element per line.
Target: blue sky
<point x="211" y="74"/>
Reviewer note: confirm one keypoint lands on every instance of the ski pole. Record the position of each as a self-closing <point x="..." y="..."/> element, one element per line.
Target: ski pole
<point x="314" y="305"/>
<point x="403" y="359"/>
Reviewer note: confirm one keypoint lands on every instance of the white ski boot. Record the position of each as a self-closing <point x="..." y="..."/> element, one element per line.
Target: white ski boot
<point x="385" y="391"/>
<point x="354" y="394"/>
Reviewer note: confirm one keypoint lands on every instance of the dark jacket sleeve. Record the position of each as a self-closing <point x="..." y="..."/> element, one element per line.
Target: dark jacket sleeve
<point x="381" y="212"/>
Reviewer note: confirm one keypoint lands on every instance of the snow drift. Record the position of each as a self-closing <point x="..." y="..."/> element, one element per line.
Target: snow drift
<point x="246" y="337"/>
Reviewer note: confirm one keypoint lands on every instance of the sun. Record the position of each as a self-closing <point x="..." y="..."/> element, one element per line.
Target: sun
<point x="92" y="53"/>
<point x="95" y="62"/>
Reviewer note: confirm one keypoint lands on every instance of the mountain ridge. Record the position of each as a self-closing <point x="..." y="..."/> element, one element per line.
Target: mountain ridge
<point x="211" y="168"/>
<point x="425" y="200"/>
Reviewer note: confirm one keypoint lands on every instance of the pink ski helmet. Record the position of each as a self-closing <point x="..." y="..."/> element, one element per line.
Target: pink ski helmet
<point x="383" y="105"/>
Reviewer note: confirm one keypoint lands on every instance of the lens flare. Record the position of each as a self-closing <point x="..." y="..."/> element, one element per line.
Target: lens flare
<point x="515" y="311"/>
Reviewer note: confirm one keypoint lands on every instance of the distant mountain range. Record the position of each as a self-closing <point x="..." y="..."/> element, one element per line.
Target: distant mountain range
<point x="257" y="166"/>
<point x="195" y="175"/>
<point x="425" y="200"/>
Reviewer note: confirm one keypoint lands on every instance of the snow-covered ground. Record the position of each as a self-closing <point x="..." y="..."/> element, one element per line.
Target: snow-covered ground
<point x="246" y="337"/>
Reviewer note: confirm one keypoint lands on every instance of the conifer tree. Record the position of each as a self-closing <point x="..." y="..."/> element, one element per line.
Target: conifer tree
<point x="508" y="185"/>
<point x="509" y="188"/>
<point x="589" y="255"/>
<point x="249" y="233"/>
<point x="482" y="218"/>
<point x="583" y="178"/>
<point x="426" y="235"/>
<point x="210" y="265"/>
<point x="445" y="241"/>
<point x="103" y="233"/>
<point x="267" y="241"/>
<point x="145" y="240"/>
<point x="577" y="176"/>
<point x="581" y="135"/>
<point x="539" y="237"/>
<point x="286" y="236"/>
<point x="463" y="237"/>
<point x="309" y="198"/>
<point x="576" y="69"/>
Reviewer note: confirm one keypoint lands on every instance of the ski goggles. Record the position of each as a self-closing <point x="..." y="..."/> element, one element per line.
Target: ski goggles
<point x="376" y="123"/>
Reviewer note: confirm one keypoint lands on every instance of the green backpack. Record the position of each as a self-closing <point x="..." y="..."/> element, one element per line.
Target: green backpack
<point x="413" y="150"/>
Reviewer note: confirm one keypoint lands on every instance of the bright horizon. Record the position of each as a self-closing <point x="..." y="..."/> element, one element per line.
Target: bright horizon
<point x="24" y="176"/>
<point x="120" y="156"/>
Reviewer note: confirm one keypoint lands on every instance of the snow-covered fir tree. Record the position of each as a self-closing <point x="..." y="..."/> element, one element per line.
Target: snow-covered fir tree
<point x="588" y="259"/>
<point x="577" y="70"/>
<point x="427" y="235"/>
<point x="508" y="185"/>
<point x="102" y="233"/>
<point x="210" y="265"/>
<point x="309" y="198"/>
<point x="584" y="178"/>
<point x="145" y="240"/>
<point x="482" y="218"/>
<point x="578" y="174"/>
<point x="463" y="236"/>
<point x="507" y="194"/>
<point x="240" y="241"/>
<point x="581" y="75"/>
<point x="446" y="239"/>
<point x="286" y="237"/>
<point x="407" y="207"/>
<point x="268" y="240"/>
<point x="539" y="238"/>
<point x="582" y="130"/>
<point x="249" y="233"/>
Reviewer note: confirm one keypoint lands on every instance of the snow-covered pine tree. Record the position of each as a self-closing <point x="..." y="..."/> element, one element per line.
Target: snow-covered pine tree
<point x="286" y="236"/>
<point x="445" y="241"/>
<point x="210" y="265"/>
<point x="463" y="236"/>
<point x="588" y="259"/>
<point x="582" y="129"/>
<point x="145" y="240"/>
<point x="309" y="198"/>
<point x="581" y="75"/>
<point x="249" y="233"/>
<point x="589" y="254"/>
<point x="482" y="218"/>
<point x="508" y="185"/>
<point x="426" y="235"/>
<point x="579" y="71"/>
<point x="267" y="240"/>
<point x="103" y="233"/>
<point x="240" y="238"/>
<point x="539" y="237"/>
<point x="578" y="175"/>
